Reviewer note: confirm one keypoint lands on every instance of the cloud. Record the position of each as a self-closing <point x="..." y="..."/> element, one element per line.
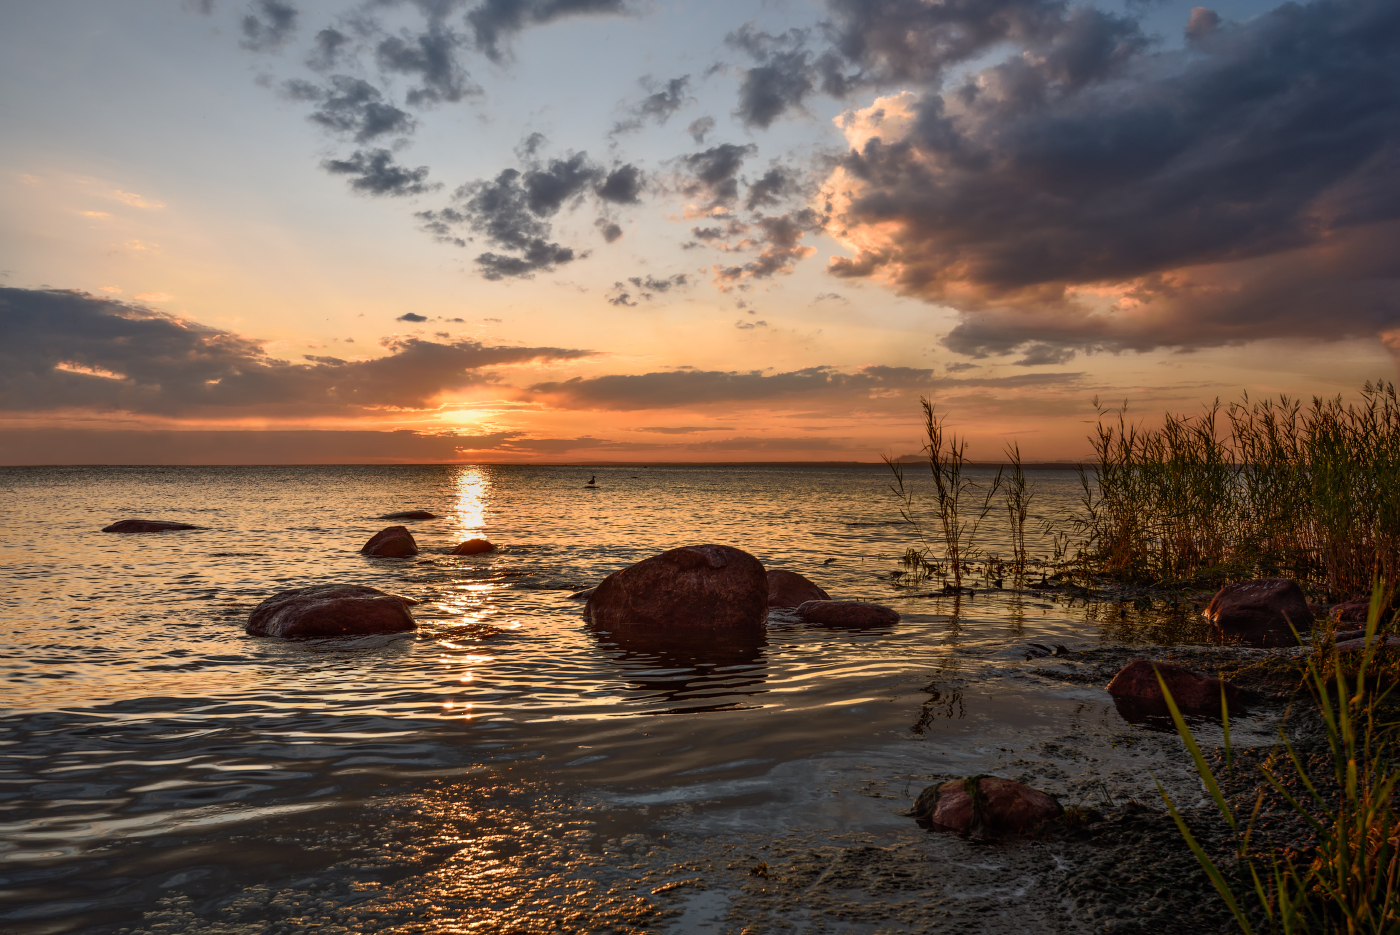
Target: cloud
<point x="493" y="21"/>
<point x="411" y="316"/>
<point x="750" y="325"/>
<point x="658" y="106"/>
<point x="352" y="107"/>
<point x="326" y="49"/>
<point x="375" y="173"/>
<point x="1088" y="192"/>
<point x="712" y="174"/>
<point x="699" y="128"/>
<point x="681" y="429"/>
<point x="65" y="350"/>
<point x="622" y="186"/>
<point x="646" y="287"/>
<point x="267" y="25"/>
<point x="431" y="58"/>
<point x="670" y="389"/>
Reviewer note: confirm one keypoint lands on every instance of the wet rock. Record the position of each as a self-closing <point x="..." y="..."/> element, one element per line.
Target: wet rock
<point x="847" y="614"/>
<point x="1359" y="643"/>
<point x="985" y="806"/>
<point x="789" y="589"/>
<point x="330" y="610"/>
<point x="693" y="588"/>
<point x="1040" y="650"/>
<point x="146" y="525"/>
<point x="474" y="547"/>
<point x="410" y="514"/>
<point x="1355" y="612"/>
<point x="1138" y="696"/>
<point x="392" y="542"/>
<point x="583" y="595"/>
<point x="1262" y="612"/>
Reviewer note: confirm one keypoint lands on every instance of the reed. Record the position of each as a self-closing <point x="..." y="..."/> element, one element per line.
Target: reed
<point x="1272" y="488"/>
<point x="1350" y="881"/>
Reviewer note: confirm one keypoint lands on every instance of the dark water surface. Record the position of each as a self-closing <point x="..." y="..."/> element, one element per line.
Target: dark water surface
<point x="504" y="768"/>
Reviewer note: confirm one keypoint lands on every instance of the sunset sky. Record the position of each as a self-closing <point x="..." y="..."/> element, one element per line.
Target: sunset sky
<point x="620" y="230"/>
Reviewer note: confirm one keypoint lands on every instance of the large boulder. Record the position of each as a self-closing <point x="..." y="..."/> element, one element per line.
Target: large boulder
<point x="330" y="610"/>
<point x="1262" y="612"/>
<point x="1138" y="695"/>
<point x="393" y="542"/>
<point x="685" y="590"/>
<point x="146" y="525"/>
<point x="789" y="589"/>
<point x="986" y="806"/>
<point x="410" y="514"/>
<point x="474" y="547"/>
<point x="848" y="614"/>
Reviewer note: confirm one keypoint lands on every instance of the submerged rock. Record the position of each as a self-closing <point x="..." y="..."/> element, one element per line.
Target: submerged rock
<point x="146" y="525"/>
<point x="985" y="806"/>
<point x="410" y="514"/>
<point x="330" y="610"/>
<point x="789" y="589"/>
<point x="1359" y="643"/>
<point x="848" y="614"/>
<point x="393" y="542"/>
<point x="474" y="547"/>
<point x="685" y="590"/>
<point x="1262" y="612"/>
<point x="1138" y="695"/>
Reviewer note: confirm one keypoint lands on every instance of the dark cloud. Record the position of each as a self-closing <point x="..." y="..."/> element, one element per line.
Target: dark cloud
<point x="681" y="429"/>
<point x="375" y="173"/>
<point x="775" y="185"/>
<point x="66" y="350"/>
<point x="1088" y="192"/>
<point x="776" y="238"/>
<point x="1201" y="23"/>
<point x="494" y="21"/>
<point x="623" y="185"/>
<point x="657" y="107"/>
<point x="353" y="107"/>
<point x="782" y="80"/>
<point x="669" y="389"/>
<point x="1041" y="355"/>
<point x="610" y="230"/>
<point x="712" y="174"/>
<point x="326" y="49"/>
<point x="750" y="325"/>
<point x="645" y="288"/>
<point x="267" y="25"/>
<point x="411" y="316"/>
<point x="700" y="128"/>
<point x="431" y="57"/>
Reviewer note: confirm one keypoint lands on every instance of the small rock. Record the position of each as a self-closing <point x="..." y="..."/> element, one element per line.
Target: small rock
<point x="474" y="547"/>
<point x="985" y="806"/>
<point x="1262" y="612"/>
<point x="1138" y="695"/>
<point x="789" y="589"/>
<point x="1356" y="645"/>
<point x="847" y="614"/>
<point x="393" y="542"/>
<point x="410" y="514"/>
<point x="691" y="589"/>
<point x="583" y="595"/>
<point x="146" y="525"/>
<point x="1354" y="612"/>
<point x="330" y="610"/>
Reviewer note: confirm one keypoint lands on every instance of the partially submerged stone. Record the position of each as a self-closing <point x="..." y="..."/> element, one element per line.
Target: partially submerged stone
<point x="583" y="595"/>
<point x="146" y="525"/>
<point x="789" y="589"/>
<point x="393" y="542"/>
<point x="474" y="547"/>
<point x="330" y="610"/>
<point x="986" y="806"/>
<point x="1358" y="644"/>
<point x="848" y="614"/>
<point x="1262" y="612"/>
<point x="682" y="591"/>
<point x="410" y="514"/>
<point x="1138" y="695"/>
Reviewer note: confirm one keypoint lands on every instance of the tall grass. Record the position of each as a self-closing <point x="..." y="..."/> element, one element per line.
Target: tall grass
<point x="1350" y="882"/>
<point x="1272" y="488"/>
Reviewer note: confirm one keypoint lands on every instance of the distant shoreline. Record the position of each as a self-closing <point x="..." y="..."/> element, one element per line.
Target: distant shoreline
<point x="1028" y="465"/>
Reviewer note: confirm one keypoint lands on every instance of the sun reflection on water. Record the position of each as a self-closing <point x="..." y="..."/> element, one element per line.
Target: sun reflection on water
<point x="469" y="514"/>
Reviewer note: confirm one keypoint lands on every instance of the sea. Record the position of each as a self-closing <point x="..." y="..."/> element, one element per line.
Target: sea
<point x="505" y="767"/>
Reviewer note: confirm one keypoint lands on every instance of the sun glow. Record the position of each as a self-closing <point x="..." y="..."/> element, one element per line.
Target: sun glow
<point x="469" y="513"/>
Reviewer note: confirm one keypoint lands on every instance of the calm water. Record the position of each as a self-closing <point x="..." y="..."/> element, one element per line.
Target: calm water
<point x="503" y="768"/>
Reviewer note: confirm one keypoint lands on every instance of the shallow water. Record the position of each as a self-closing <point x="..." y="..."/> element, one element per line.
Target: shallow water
<point x="504" y="766"/>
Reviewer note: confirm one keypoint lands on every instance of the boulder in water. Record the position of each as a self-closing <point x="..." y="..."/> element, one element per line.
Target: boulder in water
<point x="1138" y="695"/>
<point x="393" y="542"/>
<point x="1262" y="612"/>
<point x="1357" y="644"/>
<point x="146" y="525"/>
<point x="789" y="589"/>
<point x="683" y="591"/>
<point x="330" y="610"/>
<point x="410" y="514"/>
<point x="986" y="806"/>
<point x="474" y="547"/>
<point x="848" y="614"/>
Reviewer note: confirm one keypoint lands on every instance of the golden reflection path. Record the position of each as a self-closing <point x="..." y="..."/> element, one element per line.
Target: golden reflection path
<point x="473" y="487"/>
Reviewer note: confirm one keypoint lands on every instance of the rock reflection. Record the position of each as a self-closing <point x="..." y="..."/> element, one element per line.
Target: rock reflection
<point x="702" y="672"/>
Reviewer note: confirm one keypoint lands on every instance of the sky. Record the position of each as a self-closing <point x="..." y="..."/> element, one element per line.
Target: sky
<point x="277" y="231"/>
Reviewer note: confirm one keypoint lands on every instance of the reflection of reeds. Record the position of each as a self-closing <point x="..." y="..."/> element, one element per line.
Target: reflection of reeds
<point x="958" y="519"/>
<point x="1310" y="492"/>
<point x="1350" y="881"/>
